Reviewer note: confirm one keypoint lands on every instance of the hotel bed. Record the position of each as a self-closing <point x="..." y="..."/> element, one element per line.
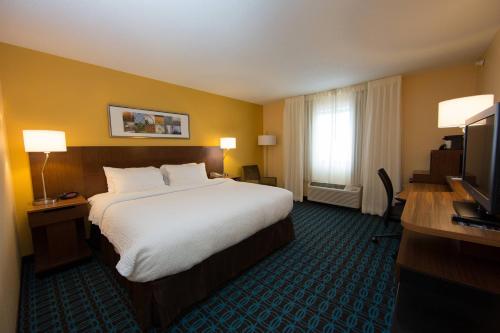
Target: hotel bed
<point x="170" y="229"/>
<point x="176" y="244"/>
<point x="173" y="245"/>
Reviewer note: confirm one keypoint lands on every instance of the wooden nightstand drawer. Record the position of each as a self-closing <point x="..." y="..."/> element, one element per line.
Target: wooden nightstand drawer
<point x="58" y="233"/>
<point x="57" y="215"/>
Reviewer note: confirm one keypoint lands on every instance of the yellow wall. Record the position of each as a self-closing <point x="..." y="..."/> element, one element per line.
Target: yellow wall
<point x="9" y="253"/>
<point x="273" y="124"/>
<point x="489" y="74"/>
<point x="421" y="93"/>
<point x="43" y="91"/>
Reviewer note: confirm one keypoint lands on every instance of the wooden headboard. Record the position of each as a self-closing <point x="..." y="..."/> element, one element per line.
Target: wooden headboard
<point x="80" y="168"/>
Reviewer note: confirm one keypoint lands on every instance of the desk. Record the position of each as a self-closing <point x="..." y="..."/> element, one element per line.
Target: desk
<point x="421" y="187"/>
<point x="449" y="275"/>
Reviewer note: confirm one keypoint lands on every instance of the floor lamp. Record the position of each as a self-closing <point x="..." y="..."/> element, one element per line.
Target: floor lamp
<point x="36" y="141"/>
<point x="266" y="140"/>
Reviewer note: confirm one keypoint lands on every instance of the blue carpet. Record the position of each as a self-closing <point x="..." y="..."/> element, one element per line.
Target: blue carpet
<point x="330" y="279"/>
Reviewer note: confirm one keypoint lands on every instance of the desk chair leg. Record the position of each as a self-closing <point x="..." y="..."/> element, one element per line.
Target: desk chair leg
<point x="392" y="236"/>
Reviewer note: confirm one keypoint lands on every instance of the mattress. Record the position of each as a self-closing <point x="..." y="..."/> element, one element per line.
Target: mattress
<point x="168" y="230"/>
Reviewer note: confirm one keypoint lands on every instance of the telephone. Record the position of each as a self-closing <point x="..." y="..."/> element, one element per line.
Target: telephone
<point x="68" y="195"/>
<point x="214" y="174"/>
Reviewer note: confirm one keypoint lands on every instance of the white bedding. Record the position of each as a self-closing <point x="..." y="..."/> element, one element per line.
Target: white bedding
<point x="167" y="230"/>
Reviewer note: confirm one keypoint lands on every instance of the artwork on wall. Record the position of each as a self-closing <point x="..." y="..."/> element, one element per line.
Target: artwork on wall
<point x="132" y="122"/>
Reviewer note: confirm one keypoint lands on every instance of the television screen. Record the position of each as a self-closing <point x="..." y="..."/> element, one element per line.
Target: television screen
<point x="479" y="143"/>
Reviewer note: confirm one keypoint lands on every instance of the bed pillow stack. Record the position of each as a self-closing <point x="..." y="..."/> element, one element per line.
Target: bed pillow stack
<point x="122" y="180"/>
<point x="184" y="174"/>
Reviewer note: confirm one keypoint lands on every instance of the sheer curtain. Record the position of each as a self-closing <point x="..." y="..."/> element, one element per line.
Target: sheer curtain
<point x="334" y="135"/>
<point x="344" y="136"/>
<point x="382" y="142"/>
<point x="293" y="142"/>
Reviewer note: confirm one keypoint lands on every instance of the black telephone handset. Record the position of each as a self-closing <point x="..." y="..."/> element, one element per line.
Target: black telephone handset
<point x="68" y="195"/>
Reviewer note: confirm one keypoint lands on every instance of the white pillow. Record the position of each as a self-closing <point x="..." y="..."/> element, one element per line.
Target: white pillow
<point x="185" y="174"/>
<point x="133" y="179"/>
<point x="164" y="170"/>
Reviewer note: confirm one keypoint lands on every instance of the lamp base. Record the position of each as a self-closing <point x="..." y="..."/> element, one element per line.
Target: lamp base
<point x="48" y="201"/>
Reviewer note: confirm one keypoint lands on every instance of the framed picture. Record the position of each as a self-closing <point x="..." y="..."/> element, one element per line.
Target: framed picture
<point x="142" y="123"/>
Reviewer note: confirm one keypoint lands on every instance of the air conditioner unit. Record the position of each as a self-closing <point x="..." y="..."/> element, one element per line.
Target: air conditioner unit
<point x="340" y="195"/>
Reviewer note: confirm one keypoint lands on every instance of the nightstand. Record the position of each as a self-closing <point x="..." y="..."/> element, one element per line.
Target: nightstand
<point x="58" y="233"/>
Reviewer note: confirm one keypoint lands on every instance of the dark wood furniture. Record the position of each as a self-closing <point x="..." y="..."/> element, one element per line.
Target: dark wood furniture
<point x="443" y="163"/>
<point x="80" y="168"/>
<point x="251" y="174"/>
<point x="159" y="302"/>
<point x="58" y="233"/>
<point x="448" y="274"/>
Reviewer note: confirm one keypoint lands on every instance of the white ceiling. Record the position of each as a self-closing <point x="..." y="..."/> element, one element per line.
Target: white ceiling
<point x="256" y="50"/>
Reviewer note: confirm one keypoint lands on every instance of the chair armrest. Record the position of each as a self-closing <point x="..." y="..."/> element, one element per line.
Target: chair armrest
<point x="272" y="181"/>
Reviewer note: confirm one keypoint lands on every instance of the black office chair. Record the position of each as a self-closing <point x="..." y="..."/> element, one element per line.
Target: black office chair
<point x="392" y="213"/>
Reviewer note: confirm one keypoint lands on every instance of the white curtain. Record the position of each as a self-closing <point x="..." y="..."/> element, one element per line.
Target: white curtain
<point x="334" y="118"/>
<point x="381" y="142"/>
<point x="293" y="142"/>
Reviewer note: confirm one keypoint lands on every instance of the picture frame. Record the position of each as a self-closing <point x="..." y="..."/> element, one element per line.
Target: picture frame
<point x="126" y="121"/>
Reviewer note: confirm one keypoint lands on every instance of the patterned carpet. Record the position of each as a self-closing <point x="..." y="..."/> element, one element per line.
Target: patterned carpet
<point x="330" y="279"/>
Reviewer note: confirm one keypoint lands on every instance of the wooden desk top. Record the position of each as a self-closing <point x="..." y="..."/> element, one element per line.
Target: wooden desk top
<point x="79" y="200"/>
<point x="422" y="187"/>
<point x="430" y="213"/>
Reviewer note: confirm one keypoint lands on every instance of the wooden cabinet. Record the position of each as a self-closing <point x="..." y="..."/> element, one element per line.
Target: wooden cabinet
<point x="58" y="233"/>
<point x="443" y="163"/>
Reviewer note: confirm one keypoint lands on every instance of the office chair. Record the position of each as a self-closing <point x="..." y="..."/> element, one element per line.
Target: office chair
<point x="392" y="213"/>
<point x="251" y="174"/>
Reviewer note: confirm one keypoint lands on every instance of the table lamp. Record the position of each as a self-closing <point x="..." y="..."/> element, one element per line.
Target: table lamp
<point x="227" y="144"/>
<point x="41" y="141"/>
<point x="266" y="140"/>
<point x="454" y="112"/>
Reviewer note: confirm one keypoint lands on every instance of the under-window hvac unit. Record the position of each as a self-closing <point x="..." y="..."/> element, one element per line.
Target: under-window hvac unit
<point x="340" y="195"/>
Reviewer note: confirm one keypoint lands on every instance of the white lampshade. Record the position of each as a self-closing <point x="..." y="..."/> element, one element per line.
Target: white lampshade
<point x="44" y="141"/>
<point x="266" y="140"/>
<point x="227" y="143"/>
<point x="454" y="112"/>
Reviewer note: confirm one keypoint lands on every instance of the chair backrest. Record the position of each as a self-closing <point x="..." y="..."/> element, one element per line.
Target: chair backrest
<point x="251" y="172"/>
<point x="384" y="177"/>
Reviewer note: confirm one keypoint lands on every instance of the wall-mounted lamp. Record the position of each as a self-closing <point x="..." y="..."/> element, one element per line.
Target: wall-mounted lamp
<point x="40" y="141"/>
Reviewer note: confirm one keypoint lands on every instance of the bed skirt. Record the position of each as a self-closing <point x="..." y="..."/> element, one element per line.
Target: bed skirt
<point x="157" y="303"/>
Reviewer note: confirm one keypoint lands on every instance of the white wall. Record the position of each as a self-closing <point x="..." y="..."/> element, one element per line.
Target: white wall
<point x="9" y="250"/>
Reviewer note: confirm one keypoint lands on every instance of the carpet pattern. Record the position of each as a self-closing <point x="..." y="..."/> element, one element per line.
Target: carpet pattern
<point x="332" y="278"/>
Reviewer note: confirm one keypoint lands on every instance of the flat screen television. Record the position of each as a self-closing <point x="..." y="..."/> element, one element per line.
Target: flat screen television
<point x="481" y="161"/>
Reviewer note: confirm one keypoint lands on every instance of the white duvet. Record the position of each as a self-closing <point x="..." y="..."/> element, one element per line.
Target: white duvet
<point x="168" y="230"/>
